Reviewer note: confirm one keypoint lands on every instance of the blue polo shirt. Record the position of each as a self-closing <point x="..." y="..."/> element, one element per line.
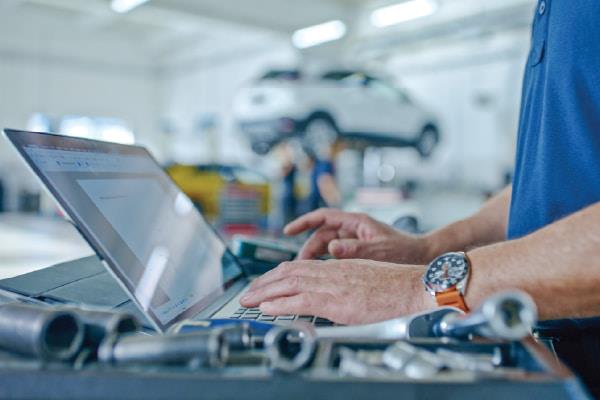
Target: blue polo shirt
<point x="558" y="153"/>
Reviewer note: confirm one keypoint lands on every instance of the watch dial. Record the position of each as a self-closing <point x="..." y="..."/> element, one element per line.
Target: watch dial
<point x="446" y="272"/>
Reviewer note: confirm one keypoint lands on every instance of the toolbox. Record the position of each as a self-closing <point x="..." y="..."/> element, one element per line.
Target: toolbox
<point x="339" y="368"/>
<point x="528" y="372"/>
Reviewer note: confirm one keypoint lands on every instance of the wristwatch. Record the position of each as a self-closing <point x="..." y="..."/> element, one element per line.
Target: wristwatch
<point x="446" y="279"/>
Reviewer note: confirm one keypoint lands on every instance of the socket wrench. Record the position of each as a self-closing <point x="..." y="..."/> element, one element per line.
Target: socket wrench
<point x="42" y="332"/>
<point x="410" y="326"/>
<point x="506" y="316"/>
<point x="203" y="348"/>
<point x="290" y="348"/>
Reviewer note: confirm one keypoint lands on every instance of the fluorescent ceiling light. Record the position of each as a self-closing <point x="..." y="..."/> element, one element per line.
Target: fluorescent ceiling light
<point x="318" y="34"/>
<point x="402" y="12"/>
<point x="123" y="6"/>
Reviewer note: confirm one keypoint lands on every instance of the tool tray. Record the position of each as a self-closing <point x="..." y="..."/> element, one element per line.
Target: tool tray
<point x="527" y="370"/>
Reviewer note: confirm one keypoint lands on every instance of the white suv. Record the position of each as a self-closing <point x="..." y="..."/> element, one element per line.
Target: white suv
<point x="319" y="108"/>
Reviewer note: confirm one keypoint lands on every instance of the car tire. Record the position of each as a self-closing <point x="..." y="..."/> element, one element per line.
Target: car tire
<point x="408" y="224"/>
<point x="428" y="140"/>
<point x="319" y="134"/>
<point x="261" y="148"/>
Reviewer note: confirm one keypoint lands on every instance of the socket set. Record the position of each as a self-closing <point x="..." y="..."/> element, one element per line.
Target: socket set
<point x="72" y="353"/>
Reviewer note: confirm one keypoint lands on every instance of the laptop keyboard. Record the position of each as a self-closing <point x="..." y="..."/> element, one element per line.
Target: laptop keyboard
<point x="254" y="314"/>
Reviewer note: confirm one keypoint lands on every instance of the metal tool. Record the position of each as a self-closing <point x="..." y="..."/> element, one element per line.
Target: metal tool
<point x="240" y="335"/>
<point x="469" y="361"/>
<point x="361" y="364"/>
<point x="416" y="325"/>
<point x="506" y="316"/>
<point x="419" y="363"/>
<point x="46" y="333"/>
<point x="203" y="348"/>
<point x="290" y="348"/>
<point x="401" y="359"/>
<point x="102" y="324"/>
<point x="406" y="360"/>
<point x="412" y="361"/>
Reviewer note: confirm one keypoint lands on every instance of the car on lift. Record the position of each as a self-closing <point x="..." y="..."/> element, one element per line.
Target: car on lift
<point x="321" y="107"/>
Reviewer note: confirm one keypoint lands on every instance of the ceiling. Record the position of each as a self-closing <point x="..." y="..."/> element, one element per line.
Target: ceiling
<point x="282" y="16"/>
<point x="277" y="15"/>
<point x="166" y="27"/>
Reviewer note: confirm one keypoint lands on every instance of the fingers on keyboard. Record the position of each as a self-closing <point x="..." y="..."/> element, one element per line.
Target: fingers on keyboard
<point x="255" y="314"/>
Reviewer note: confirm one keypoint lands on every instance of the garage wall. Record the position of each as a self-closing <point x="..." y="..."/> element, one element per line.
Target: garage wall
<point x="46" y="68"/>
<point x="57" y="90"/>
<point x="207" y="89"/>
<point x="50" y="68"/>
<point x="61" y="89"/>
<point x="474" y="87"/>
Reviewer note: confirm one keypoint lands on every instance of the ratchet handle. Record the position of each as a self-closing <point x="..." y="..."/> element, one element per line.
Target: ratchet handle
<point x="506" y="316"/>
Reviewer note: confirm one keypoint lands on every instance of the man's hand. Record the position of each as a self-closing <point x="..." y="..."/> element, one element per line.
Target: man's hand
<point x="344" y="291"/>
<point x="351" y="235"/>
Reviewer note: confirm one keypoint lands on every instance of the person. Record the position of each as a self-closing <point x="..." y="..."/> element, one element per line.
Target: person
<point x="288" y="202"/>
<point x="540" y="235"/>
<point x="323" y="187"/>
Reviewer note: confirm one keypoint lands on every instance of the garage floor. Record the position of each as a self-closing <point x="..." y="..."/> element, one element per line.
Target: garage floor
<point x="29" y="243"/>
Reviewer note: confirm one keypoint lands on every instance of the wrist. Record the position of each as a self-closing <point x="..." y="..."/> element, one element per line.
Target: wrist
<point x="432" y="246"/>
<point x="454" y="237"/>
<point x="421" y="299"/>
<point x="424" y="299"/>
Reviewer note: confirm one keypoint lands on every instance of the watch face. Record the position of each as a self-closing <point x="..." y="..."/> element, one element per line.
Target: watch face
<point x="446" y="272"/>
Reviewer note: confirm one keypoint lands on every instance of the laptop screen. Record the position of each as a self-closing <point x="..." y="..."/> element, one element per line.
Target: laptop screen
<point x="137" y="219"/>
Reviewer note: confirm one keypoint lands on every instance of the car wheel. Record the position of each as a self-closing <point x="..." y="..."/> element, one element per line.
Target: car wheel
<point x="427" y="141"/>
<point x="408" y="224"/>
<point x="261" y="148"/>
<point x="320" y="134"/>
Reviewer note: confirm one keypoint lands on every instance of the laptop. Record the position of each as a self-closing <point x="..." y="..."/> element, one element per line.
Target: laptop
<point x="147" y="232"/>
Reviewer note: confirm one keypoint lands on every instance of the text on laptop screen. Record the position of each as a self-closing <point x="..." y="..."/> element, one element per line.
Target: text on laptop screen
<point x="165" y="253"/>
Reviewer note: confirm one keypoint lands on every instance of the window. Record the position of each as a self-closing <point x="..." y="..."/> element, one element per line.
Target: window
<point x="98" y="128"/>
<point x="39" y="122"/>
<point x="356" y="78"/>
<point x="106" y="129"/>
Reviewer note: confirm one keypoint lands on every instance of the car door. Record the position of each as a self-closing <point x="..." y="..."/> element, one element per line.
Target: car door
<point x="344" y="95"/>
<point x="390" y="113"/>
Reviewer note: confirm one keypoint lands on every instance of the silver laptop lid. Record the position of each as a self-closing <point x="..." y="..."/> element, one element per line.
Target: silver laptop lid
<point x="155" y="242"/>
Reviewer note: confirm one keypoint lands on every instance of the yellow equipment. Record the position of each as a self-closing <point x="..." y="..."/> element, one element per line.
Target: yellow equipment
<point x="228" y="196"/>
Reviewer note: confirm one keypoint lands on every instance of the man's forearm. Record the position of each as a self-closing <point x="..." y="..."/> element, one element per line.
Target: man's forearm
<point x="558" y="265"/>
<point x="485" y="227"/>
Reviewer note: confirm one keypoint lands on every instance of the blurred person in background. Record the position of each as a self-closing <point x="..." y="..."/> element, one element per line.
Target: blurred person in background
<point x="324" y="191"/>
<point x="288" y="201"/>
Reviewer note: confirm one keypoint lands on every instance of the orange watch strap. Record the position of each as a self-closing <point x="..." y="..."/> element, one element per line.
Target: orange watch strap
<point x="451" y="298"/>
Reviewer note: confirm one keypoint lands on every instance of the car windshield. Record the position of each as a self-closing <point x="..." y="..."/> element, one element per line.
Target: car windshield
<point x="347" y="77"/>
<point x="282" y="75"/>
